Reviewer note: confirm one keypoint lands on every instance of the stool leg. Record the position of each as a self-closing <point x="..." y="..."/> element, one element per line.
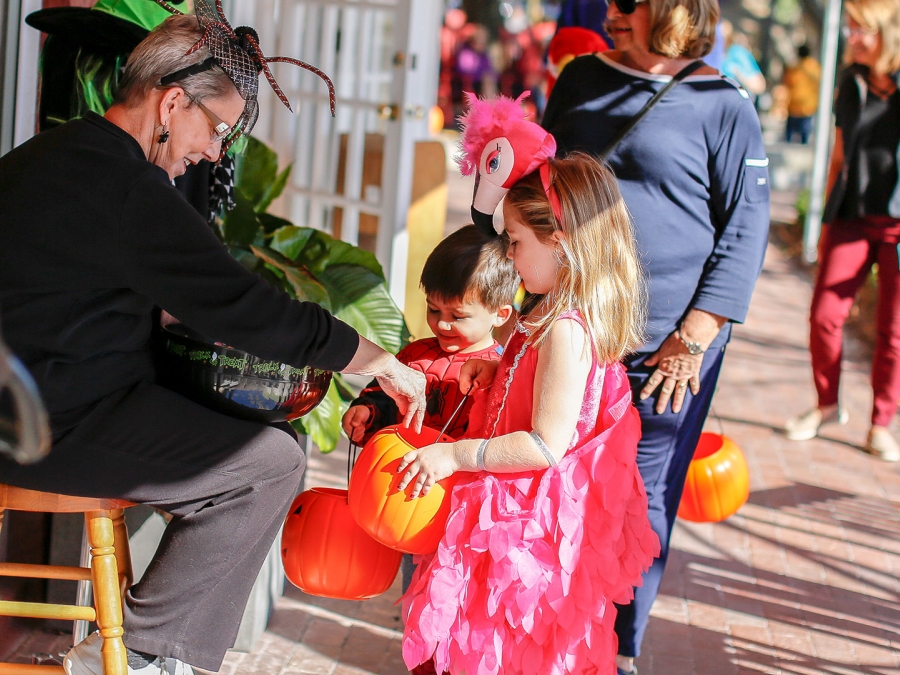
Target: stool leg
<point x="123" y="550"/>
<point x="84" y="593"/>
<point x="105" y="575"/>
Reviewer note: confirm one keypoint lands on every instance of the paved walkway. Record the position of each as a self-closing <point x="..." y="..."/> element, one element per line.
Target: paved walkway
<point x="803" y="580"/>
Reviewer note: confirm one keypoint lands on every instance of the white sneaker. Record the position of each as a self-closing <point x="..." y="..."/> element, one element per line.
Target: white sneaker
<point x="806" y="426"/>
<point x="85" y="659"/>
<point x="882" y="444"/>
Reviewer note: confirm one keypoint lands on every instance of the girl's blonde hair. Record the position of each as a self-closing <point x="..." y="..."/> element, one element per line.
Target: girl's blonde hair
<point x="683" y="28"/>
<point x="883" y="16"/>
<point x="599" y="271"/>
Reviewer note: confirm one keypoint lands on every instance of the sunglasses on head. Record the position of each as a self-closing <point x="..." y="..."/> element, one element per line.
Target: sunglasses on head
<point x="627" y="6"/>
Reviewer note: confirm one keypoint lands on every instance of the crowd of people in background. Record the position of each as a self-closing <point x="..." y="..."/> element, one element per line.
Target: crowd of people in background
<point x="524" y="55"/>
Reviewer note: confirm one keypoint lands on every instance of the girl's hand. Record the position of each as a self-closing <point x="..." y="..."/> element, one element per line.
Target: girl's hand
<point x="426" y="466"/>
<point x="676" y="370"/>
<point x="354" y="422"/>
<point x="477" y="373"/>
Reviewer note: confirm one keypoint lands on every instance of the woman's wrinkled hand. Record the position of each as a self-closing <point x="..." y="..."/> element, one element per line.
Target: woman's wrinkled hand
<point x="676" y="370"/>
<point x="407" y="387"/>
<point x="426" y="466"/>
<point x="477" y="373"/>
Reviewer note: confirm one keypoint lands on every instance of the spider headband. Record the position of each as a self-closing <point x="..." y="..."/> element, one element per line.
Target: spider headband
<point x="237" y="52"/>
<point x="501" y="147"/>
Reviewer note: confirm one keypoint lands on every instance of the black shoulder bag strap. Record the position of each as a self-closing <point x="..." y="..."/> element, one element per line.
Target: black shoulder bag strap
<point x="632" y="123"/>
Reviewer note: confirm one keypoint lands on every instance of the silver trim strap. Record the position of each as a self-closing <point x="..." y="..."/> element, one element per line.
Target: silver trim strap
<point x="545" y="451"/>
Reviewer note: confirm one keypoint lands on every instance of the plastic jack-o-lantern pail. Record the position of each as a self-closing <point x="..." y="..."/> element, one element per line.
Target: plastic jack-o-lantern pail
<point x="381" y="509"/>
<point x="717" y="483"/>
<point x="326" y="553"/>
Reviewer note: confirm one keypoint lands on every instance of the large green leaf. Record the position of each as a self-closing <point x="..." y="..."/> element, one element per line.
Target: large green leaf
<point x="323" y="250"/>
<point x="323" y="423"/>
<point x="241" y="226"/>
<point x="272" y="223"/>
<point x="290" y="240"/>
<point x="274" y="189"/>
<point x="304" y="284"/>
<point x="361" y="299"/>
<point x="256" y="171"/>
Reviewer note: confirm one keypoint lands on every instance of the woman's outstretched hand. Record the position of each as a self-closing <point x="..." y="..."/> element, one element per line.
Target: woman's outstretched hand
<point x="426" y="466"/>
<point x="477" y="373"/>
<point x="403" y="384"/>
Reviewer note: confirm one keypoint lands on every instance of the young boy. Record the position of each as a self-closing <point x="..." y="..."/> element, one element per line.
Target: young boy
<point x="469" y="284"/>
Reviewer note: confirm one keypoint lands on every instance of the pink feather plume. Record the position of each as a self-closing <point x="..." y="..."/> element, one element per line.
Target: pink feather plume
<point x="484" y="121"/>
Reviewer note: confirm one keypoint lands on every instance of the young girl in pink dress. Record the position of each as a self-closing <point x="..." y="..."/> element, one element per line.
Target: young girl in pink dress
<point x="548" y="526"/>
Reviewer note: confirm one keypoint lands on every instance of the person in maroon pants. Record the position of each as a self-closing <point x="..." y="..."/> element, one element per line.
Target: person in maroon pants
<point x="863" y="216"/>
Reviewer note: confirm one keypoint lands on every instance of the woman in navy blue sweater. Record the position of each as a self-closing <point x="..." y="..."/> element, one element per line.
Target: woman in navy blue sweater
<point x="693" y="174"/>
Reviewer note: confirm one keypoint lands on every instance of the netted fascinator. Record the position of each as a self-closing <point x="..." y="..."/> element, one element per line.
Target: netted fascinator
<point x="237" y="52"/>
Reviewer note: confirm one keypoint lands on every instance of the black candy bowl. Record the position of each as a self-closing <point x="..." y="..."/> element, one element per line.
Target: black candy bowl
<point x="236" y="383"/>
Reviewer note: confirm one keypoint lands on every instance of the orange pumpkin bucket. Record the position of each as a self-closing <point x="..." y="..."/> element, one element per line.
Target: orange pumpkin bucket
<point x="390" y="516"/>
<point x="326" y="553"/>
<point x="718" y="481"/>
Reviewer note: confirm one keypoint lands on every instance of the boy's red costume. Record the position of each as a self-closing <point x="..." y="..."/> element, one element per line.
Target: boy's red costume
<point x="442" y="392"/>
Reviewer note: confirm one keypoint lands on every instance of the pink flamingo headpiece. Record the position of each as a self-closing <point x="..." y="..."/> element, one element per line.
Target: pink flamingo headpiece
<point x="501" y="147"/>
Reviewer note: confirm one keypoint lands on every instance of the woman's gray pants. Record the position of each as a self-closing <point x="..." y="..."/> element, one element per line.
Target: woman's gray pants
<point x="227" y="484"/>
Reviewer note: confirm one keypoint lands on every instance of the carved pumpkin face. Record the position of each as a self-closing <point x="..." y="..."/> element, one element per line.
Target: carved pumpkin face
<point x="718" y="482"/>
<point x="393" y="517"/>
<point x="326" y="553"/>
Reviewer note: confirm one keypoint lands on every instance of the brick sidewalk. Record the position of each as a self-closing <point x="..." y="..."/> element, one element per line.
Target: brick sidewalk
<point x="803" y="580"/>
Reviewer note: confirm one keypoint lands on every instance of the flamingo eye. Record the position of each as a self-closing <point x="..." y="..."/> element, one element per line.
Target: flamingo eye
<point x="493" y="161"/>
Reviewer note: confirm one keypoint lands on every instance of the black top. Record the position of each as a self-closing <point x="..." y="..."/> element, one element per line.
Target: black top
<point x="869" y="183"/>
<point x="93" y="236"/>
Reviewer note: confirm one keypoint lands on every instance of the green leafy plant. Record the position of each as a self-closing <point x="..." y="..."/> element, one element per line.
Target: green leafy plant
<point x="309" y="265"/>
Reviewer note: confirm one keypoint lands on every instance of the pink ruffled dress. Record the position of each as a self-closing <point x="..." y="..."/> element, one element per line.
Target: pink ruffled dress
<point x="525" y="578"/>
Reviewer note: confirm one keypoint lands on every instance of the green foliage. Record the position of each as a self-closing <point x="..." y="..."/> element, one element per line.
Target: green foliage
<point x="309" y="265"/>
<point x="802" y="205"/>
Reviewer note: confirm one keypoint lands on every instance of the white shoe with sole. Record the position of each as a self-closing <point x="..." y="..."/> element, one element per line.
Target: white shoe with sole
<point x="85" y="659"/>
<point x="883" y="445"/>
<point x="806" y="426"/>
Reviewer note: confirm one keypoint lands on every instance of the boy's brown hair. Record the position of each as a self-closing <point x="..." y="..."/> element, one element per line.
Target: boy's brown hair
<point x="471" y="266"/>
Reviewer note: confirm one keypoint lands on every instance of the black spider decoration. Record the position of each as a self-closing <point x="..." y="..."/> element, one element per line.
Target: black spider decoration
<point x="248" y="40"/>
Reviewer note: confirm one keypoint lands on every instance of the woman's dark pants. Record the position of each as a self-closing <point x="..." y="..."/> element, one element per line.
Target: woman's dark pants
<point x="664" y="453"/>
<point x="227" y="484"/>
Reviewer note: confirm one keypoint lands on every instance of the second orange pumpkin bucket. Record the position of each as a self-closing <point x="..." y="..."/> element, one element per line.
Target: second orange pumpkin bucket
<point x="390" y="516"/>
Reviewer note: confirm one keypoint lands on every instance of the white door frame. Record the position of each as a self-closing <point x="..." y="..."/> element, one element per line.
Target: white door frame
<point x="383" y="56"/>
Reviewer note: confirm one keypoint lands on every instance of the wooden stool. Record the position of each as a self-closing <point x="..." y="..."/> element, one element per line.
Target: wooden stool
<point x="110" y="572"/>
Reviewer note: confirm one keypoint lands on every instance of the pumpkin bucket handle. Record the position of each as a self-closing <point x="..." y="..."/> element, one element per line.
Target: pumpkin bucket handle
<point x="712" y="413"/>
<point x="352" y="454"/>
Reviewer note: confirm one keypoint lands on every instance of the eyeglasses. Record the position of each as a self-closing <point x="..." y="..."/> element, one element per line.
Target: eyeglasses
<point x="860" y="31"/>
<point x="221" y="129"/>
<point x="628" y="6"/>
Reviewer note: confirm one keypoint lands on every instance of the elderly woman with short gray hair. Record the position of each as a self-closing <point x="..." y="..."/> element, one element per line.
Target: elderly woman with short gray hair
<point x="93" y="238"/>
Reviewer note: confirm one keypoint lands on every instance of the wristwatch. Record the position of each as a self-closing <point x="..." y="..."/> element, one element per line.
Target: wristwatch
<point x="692" y="347"/>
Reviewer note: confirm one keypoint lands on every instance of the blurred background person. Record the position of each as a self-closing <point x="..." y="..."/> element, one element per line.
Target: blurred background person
<point x="801" y="82"/>
<point x="473" y="70"/>
<point x="863" y="216"/>
<point x="739" y="63"/>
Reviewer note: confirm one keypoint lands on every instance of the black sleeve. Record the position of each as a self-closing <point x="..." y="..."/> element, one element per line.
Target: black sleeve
<point x="846" y="99"/>
<point x="169" y="254"/>
<point x="382" y="408"/>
